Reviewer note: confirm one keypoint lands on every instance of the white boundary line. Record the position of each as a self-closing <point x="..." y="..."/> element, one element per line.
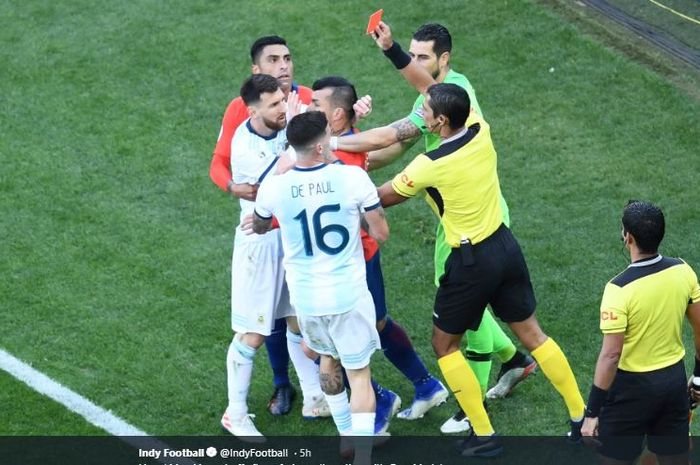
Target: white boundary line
<point x="76" y="403"/>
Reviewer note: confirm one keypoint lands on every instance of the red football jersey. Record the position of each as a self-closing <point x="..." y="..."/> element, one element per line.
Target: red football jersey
<point x="236" y="113"/>
<point x="361" y="159"/>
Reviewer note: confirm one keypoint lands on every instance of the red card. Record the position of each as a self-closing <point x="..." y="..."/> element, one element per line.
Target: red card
<point x="374" y="20"/>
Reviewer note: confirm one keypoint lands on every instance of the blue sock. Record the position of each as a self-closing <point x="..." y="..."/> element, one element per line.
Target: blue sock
<point x="379" y="392"/>
<point x="400" y="352"/>
<point x="276" y="344"/>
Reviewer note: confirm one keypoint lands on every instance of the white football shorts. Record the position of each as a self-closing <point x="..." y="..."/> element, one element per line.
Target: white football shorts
<point x="351" y="337"/>
<point x="259" y="293"/>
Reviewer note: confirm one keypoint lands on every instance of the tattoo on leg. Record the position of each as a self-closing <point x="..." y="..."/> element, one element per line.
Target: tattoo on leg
<point x="332" y="383"/>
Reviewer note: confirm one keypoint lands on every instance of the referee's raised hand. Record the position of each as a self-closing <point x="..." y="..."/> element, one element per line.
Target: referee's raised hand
<point x="382" y="36"/>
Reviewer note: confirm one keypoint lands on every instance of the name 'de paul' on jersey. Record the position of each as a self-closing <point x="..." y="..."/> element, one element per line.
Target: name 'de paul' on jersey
<point x="313" y="188"/>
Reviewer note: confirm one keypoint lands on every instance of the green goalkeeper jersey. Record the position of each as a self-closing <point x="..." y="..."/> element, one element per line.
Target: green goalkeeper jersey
<point x="432" y="141"/>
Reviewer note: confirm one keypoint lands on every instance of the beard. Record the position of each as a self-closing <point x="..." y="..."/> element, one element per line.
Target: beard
<point x="275" y="125"/>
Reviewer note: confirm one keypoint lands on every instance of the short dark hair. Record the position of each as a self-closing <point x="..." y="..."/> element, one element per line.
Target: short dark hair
<point x="343" y="96"/>
<point x="305" y="129"/>
<point x="256" y="85"/>
<point x="450" y="100"/>
<point x="258" y="46"/>
<point x="436" y="32"/>
<point x="645" y="221"/>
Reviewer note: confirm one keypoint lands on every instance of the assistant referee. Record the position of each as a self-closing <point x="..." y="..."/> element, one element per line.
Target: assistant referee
<point x="639" y="388"/>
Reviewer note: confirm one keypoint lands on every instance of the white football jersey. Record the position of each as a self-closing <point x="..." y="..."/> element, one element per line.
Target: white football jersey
<point x="253" y="157"/>
<point x="319" y="210"/>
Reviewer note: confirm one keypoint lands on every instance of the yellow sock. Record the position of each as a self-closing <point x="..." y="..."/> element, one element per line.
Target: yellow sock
<point x="556" y="368"/>
<point x="463" y="383"/>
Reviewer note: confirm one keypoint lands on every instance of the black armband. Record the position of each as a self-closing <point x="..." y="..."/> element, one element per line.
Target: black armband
<point x="398" y="57"/>
<point x="596" y="399"/>
<point x="696" y="370"/>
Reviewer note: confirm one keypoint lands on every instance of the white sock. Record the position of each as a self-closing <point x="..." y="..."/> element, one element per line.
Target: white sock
<point x="239" y="370"/>
<point x="363" y="424"/>
<point x="340" y="409"/>
<point x="363" y="430"/>
<point x="306" y="369"/>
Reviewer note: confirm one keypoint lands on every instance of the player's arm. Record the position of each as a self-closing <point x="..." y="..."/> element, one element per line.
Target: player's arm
<point x="261" y="224"/>
<point x="388" y="196"/>
<point x="383" y="157"/>
<point x="693" y="315"/>
<point x="377" y="226"/>
<point x="605" y="370"/>
<point x="608" y="359"/>
<point x="220" y="166"/>
<point x="377" y="138"/>
<point x="415" y="74"/>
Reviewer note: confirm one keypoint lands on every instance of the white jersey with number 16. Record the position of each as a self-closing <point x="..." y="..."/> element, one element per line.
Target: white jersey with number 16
<point x="319" y="210"/>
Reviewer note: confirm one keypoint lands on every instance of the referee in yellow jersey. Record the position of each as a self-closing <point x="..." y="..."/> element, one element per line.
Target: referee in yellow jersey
<point x="639" y="388"/>
<point x="486" y="265"/>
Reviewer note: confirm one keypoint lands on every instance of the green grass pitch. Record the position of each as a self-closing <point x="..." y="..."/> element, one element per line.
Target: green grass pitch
<point x="116" y="246"/>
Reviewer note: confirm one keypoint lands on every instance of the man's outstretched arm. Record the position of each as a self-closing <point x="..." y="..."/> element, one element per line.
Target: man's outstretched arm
<point x="377" y="138"/>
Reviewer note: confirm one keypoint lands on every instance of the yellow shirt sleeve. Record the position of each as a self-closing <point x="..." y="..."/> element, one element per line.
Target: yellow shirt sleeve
<point x="613" y="311"/>
<point x="694" y="287"/>
<point x="414" y="178"/>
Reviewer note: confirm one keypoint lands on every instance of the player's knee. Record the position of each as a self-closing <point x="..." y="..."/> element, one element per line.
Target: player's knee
<point x="252" y="340"/>
<point x="444" y="346"/>
<point x="310" y="353"/>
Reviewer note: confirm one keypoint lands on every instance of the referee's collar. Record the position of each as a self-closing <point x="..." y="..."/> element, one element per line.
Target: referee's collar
<point x="456" y="136"/>
<point x="647" y="261"/>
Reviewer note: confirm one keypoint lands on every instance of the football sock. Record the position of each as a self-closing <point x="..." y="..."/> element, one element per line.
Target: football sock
<point x="465" y="387"/>
<point x="239" y="369"/>
<point x="556" y="368"/>
<point x="363" y="430"/>
<point x="518" y="359"/>
<point x="481" y="366"/>
<point x="306" y="369"/>
<point x="340" y="410"/>
<point x="379" y="391"/>
<point x="400" y="352"/>
<point x="363" y="424"/>
<point x="503" y="346"/>
<point x="276" y="345"/>
<point x="479" y="348"/>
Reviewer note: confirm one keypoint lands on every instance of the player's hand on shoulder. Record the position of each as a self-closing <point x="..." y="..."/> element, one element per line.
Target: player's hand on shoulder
<point x="363" y="107"/>
<point x="246" y="225"/>
<point x="285" y="163"/>
<point x="382" y="36"/>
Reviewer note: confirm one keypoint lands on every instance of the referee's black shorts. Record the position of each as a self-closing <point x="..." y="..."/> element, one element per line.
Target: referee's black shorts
<point x="498" y="277"/>
<point x="653" y="404"/>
